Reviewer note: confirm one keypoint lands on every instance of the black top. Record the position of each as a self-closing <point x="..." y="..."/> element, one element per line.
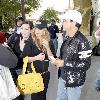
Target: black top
<point x="53" y="29"/>
<point x="13" y="42"/>
<point x="32" y="50"/>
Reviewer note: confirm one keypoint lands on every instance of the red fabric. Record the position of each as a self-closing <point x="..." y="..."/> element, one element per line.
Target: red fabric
<point x="2" y="37"/>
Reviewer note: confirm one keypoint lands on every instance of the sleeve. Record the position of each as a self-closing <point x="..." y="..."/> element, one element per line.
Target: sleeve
<point x="82" y="61"/>
<point x="12" y="40"/>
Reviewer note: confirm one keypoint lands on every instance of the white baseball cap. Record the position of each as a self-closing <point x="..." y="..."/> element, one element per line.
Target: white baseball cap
<point x="73" y="15"/>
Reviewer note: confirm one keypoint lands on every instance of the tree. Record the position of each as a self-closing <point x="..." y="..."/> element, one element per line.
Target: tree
<point x="50" y="14"/>
<point x="9" y="9"/>
<point x="28" y="5"/>
<point x="84" y="6"/>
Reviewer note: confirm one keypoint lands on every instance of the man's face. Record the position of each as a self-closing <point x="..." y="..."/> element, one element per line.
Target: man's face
<point x="19" y="23"/>
<point x="66" y="25"/>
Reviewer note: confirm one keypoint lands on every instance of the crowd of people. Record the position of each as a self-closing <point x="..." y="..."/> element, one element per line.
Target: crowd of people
<point x="40" y="44"/>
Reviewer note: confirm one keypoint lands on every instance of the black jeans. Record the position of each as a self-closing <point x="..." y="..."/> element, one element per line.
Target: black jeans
<point x="42" y="95"/>
<point x="20" y="97"/>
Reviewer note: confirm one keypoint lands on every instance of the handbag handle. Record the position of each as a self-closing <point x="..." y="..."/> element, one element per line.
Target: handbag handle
<point x="25" y="61"/>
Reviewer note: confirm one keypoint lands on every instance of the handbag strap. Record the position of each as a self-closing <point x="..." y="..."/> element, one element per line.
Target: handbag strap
<point x="25" y="61"/>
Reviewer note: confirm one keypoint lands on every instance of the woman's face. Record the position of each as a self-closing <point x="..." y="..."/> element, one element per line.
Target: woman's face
<point x="25" y="30"/>
<point x="38" y="33"/>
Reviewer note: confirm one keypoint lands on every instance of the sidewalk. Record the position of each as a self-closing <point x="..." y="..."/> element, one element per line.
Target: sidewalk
<point x="88" y="91"/>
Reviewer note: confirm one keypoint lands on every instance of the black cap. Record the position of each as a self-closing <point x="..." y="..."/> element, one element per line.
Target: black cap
<point x="41" y="25"/>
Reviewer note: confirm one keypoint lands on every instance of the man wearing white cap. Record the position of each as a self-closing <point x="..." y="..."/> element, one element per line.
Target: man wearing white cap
<point x="75" y="59"/>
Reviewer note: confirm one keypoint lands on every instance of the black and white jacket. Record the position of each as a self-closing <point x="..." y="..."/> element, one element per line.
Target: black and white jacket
<point x="76" y="53"/>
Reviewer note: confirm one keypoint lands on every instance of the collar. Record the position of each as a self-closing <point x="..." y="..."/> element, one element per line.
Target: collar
<point x="30" y="40"/>
<point x="67" y="37"/>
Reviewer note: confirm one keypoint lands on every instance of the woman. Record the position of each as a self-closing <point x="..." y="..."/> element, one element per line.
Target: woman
<point x="17" y="44"/>
<point x="37" y="49"/>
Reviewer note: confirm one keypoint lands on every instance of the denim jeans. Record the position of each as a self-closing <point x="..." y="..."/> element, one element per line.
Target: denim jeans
<point x="67" y="93"/>
<point x="55" y="42"/>
<point x="98" y="78"/>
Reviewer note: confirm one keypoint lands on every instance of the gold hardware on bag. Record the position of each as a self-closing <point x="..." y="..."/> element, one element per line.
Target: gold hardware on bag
<point x="31" y="82"/>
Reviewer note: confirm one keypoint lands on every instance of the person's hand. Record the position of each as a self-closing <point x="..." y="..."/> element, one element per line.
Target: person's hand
<point x="5" y="44"/>
<point x="52" y="59"/>
<point x="59" y="63"/>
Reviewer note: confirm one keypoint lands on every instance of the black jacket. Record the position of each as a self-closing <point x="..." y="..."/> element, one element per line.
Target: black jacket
<point x="13" y="42"/>
<point x="76" y="53"/>
<point x="53" y="29"/>
<point x="32" y="50"/>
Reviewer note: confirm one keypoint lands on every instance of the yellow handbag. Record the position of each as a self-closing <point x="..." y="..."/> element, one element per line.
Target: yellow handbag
<point x="31" y="82"/>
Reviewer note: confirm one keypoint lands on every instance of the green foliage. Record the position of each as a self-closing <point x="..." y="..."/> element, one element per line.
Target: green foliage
<point x="84" y="6"/>
<point x="9" y="6"/>
<point x="33" y="4"/>
<point x="50" y="14"/>
<point x="77" y="3"/>
<point x="9" y="9"/>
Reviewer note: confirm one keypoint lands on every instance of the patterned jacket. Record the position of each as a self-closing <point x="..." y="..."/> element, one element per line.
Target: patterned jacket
<point x="76" y="53"/>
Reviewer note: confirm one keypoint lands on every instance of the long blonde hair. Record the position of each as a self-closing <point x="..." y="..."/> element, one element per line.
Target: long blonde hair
<point x="45" y="35"/>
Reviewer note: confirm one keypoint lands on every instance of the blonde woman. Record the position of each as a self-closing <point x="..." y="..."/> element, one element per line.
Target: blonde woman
<point x="38" y="49"/>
